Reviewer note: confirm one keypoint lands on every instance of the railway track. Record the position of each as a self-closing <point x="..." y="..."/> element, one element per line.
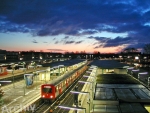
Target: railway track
<point x="46" y="107"/>
<point x="69" y="99"/>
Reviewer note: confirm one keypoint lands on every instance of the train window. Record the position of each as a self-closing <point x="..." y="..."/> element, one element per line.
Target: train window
<point x="47" y="90"/>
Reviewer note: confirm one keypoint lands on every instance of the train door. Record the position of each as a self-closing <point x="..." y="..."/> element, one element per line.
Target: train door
<point x="63" y="85"/>
<point x="77" y="73"/>
<point x="66" y="82"/>
<point x="60" y="89"/>
<point x="56" y="91"/>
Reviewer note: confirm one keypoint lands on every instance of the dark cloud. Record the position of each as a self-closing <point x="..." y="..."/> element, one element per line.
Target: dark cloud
<point x="69" y="42"/>
<point x="66" y="37"/>
<point x="69" y="17"/>
<point x="108" y="42"/>
<point x="78" y="42"/>
<point x="118" y="41"/>
<point x="57" y="42"/>
<point x="34" y="41"/>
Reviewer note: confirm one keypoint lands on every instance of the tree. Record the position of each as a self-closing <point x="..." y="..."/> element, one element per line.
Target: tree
<point x="147" y="48"/>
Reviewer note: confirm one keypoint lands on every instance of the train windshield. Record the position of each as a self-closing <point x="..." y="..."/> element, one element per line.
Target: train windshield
<point x="47" y="89"/>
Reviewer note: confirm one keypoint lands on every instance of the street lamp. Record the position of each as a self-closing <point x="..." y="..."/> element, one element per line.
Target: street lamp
<point x="78" y="92"/>
<point x="24" y="70"/>
<point x="12" y="71"/>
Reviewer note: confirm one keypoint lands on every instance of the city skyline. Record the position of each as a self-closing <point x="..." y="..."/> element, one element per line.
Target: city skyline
<point x="84" y="25"/>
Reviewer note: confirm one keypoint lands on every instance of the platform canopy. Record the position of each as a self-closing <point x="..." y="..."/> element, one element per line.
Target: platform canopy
<point x="108" y="64"/>
<point x="64" y="63"/>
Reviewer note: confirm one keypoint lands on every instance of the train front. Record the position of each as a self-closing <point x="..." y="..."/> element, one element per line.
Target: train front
<point x="48" y="92"/>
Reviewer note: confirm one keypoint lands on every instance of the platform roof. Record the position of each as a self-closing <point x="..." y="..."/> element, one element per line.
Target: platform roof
<point x="108" y="64"/>
<point x="65" y="63"/>
<point x="121" y="98"/>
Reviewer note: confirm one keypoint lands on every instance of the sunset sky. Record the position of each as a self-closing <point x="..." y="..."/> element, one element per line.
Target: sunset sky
<point x="107" y="26"/>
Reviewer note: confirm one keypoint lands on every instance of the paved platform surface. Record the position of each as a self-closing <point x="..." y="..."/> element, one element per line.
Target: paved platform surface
<point x="18" y="96"/>
<point x="19" y="72"/>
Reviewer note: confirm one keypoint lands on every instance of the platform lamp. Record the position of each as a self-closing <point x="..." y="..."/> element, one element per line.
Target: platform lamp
<point x="93" y="79"/>
<point x="88" y="83"/>
<point x="79" y="92"/>
<point x="73" y="108"/>
<point x="92" y="93"/>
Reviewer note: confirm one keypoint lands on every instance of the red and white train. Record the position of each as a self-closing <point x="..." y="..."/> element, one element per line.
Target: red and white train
<point x="52" y="90"/>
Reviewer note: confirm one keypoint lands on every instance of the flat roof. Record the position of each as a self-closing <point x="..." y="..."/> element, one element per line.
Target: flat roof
<point x="65" y="63"/>
<point x="108" y="64"/>
<point x="121" y="98"/>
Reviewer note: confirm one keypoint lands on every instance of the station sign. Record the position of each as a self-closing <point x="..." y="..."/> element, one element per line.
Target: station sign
<point x="28" y="79"/>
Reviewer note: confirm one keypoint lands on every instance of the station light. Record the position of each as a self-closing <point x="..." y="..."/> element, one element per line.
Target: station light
<point x="143" y="73"/>
<point x="73" y="108"/>
<point x="135" y="70"/>
<point x="5" y="81"/>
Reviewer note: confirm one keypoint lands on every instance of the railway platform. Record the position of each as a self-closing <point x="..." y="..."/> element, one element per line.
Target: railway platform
<point x="115" y="98"/>
<point x="20" y="97"/>
<point x="20" y="72"/>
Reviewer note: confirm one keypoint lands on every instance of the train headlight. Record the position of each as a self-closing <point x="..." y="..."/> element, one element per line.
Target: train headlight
<point x="51" y="96"/>
<point x="43" y="96"/>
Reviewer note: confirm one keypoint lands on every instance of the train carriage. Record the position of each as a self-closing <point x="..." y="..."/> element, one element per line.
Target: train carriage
<point x="52" y="90"/>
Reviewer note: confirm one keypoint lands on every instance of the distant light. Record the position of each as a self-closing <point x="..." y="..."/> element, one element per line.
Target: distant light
<point x="41" y="57"/>
<point x="125" y="66"/>
<point x="136" y="57"/>
<point x="84" y="82"/>
<point x="72" y="108"/>
<point x="40" y="71"/>
<point x="143" y="73"/>
<point x="130" y="68"/>
<point x="21" y="58"/>
<point x="136" y="70"/>
<point x="5" y="81"/>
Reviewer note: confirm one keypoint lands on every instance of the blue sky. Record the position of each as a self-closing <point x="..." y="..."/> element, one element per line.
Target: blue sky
<point x="107" y="26"/>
